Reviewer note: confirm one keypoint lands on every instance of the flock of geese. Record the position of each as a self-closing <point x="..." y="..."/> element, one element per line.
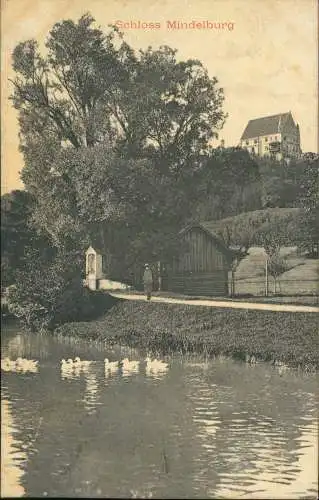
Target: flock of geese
<point x="125" y="366"/>
<point x="152" y="366"/>
<point x="19" y="365"/>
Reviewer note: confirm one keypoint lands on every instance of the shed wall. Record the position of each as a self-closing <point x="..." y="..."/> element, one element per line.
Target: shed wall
<point x="199" y="253"/>
<point x="206" y="284"/>
<point x="201" y="268"/>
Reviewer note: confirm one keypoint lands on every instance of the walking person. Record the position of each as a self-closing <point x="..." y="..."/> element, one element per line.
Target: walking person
<point x="148" y="281"/>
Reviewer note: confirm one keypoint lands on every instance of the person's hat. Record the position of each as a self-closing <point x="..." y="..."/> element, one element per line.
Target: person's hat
<point x="146" y="265"/>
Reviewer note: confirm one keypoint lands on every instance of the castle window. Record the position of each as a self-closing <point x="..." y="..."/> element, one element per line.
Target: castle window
<point x="285" y="138"/>
<point x="247" y="143"/>
<point x="255" y="141"/>
<point x="266" y="139"/>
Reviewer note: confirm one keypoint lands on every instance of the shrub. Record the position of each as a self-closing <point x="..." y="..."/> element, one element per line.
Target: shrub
<point x="49" y="294"/>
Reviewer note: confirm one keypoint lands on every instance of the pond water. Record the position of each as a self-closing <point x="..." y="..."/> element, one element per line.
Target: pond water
<point x="216" y="430"/>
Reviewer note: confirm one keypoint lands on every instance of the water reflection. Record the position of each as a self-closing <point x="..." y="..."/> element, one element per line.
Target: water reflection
<point x="12" y="456"/>
<point x="256" y="451"/>
<point x="21" y="345"/>
<point x="290" y="480"/>
<point x="198" y="430"/>
<point x="69" y="373"/>
<point x="91" y="392"/>
<point x="155" y="375"/>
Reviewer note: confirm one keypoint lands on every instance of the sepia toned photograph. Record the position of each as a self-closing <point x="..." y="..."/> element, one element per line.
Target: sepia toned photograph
<point x="159" y="249"/>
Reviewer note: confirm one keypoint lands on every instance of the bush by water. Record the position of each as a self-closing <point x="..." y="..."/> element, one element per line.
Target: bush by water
<point x="49" y="294"/>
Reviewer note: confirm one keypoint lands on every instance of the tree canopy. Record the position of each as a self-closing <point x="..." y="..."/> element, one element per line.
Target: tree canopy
<point x="269" y="228"/>
<point x="111" y="137"/>
<point x="18" y="236"/>
<point x="91" y="88"/>
<point x="308" y="200"/>
<point x="229" y="184"/>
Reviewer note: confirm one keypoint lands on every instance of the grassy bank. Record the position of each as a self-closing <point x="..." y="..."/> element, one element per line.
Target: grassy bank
<point x="312" y="300"/>
<point x="290" y="338"/>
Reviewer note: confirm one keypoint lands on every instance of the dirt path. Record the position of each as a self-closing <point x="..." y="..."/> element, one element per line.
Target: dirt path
<point x="223" y="303"/>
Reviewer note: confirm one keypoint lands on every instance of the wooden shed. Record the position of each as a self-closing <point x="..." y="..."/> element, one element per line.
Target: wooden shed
<point x="202" y="266"/>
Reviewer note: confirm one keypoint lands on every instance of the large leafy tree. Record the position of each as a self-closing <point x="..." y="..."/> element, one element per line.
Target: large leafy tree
<point x="91" y="87"/>
<point x="18" y="235"/>
<point x="230" y="184"/>
<point x="281" y="181"/>
<point x="125" y="205"/>
<point x="111" y="138"/>
<point x="15" y="233"/>
<point x="308" y="200"/>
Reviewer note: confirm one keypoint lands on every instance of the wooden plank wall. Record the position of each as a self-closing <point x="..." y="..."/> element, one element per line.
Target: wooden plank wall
<point x="199" y="253"/>
<point x="206" y="284"/>
<point x="201" y="268"/>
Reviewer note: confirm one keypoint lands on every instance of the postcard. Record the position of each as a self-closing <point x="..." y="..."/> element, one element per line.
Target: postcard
<point x="159" y="253"/>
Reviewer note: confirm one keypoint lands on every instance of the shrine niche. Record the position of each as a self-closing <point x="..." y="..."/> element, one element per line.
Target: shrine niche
<point x="91" y="263"/>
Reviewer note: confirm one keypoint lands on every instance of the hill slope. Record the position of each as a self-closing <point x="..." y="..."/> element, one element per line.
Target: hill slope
<point x="301" y="277"/>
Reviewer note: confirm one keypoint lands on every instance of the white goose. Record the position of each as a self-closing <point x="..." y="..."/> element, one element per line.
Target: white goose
<point x="26" y="365"/>
<point x="32" y="368"/>
<point x="81" y="363"/>
<point x="111" y="365"/>
<point x="66" y="364"/>
<point x="155" y="365"/>
<point x="130" y="365"/>
<point x="7" y="365"/>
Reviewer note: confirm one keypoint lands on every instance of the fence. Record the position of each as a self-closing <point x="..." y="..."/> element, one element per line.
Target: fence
<point x="267" y="286"/>
<point x="253" y="279"/>
<point x="255" y="286"/>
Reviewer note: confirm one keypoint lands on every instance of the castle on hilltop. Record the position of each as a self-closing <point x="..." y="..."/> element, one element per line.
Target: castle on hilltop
<point x="276" y="136"/>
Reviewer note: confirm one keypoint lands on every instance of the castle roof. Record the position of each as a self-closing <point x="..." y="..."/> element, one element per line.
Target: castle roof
<point x="265" y="126"/>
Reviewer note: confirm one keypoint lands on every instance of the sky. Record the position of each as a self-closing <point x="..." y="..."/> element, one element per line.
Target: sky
<point x="267" y="64"/>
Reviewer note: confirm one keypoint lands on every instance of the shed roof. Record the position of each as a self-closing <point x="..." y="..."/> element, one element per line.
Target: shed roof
<point x="264" y="126"/>
<point x="209" y="228"/>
